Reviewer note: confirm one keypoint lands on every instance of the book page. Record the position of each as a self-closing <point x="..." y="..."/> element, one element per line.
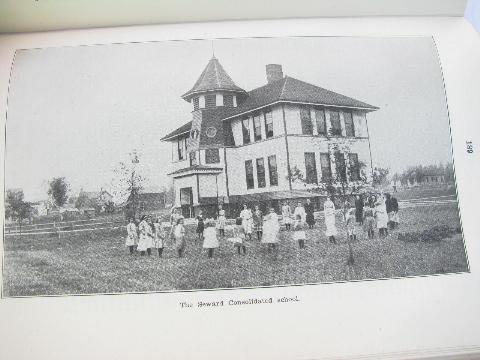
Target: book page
<point x="283" y="178"/>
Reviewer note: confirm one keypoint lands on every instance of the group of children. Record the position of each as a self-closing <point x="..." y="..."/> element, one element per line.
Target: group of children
<point x="380" y="212"/>
<point x="153" y="235"/>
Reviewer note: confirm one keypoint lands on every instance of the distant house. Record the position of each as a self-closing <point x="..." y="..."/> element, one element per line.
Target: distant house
<point x="97" y="199"/>
<point x="150" y="201"/>
<point x="41" y="208"/>
<point x="433" y="177"/>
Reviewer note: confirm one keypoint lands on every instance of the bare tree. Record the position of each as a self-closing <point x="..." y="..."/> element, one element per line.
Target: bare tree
<point x="128" y="182"/>
<point x="347" y="177"/>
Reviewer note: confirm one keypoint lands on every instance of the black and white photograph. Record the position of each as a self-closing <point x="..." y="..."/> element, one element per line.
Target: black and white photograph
<point x="228" y="163"/>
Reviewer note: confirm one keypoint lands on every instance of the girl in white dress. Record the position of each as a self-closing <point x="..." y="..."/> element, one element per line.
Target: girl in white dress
<point x="146" y="236"/>
<point x="132" y="236"/>
<point x="287" y="216"/>
<point x="329" y="211"/>
<point x="247" y="221"/>
<point x="222" y="220"/>
<point x="238" y="238"/>
<point x="298" y="232"/>
<point x="381" y="216"/>
<point x="179" y="234"/>
<point x="271" y="228"/>
<point x="159" y="237"/>
<point x="210" y="240"/>
<point x="174" y="216"/>
<point x="300" y="210"/>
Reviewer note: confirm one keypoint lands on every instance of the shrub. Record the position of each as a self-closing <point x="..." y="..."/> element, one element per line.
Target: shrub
<point x="436" y="233"/>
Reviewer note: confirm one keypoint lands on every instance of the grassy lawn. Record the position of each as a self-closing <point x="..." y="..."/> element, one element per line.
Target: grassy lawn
<point x="93" y="263"/>
<point x="424" y="192"/>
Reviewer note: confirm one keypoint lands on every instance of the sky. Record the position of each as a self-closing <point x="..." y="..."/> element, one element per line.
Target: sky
<point x="78" y="111"/>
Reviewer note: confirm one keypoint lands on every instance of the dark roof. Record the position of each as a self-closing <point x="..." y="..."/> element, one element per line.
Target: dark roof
<point x="286" y="89"/>
<point x="213" y="77"/>
<point x="291" y="89"/>
<point x="179" y="131"/>
<point x="198" y="168"/>
<point x="151" y="196"/>
<point x="272" y="195"/>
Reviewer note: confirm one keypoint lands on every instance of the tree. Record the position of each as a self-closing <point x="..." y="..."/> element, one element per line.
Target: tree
<point x="380" y="176"/>
<point x="346" y="179"/>
<point x="16" y="208"/>
<point x="295" y="175"/>
<point x="449" y="173"/>
<point x="128" y="182"/>
<point x="58" y="191"/>
<point x="83" y="201"/>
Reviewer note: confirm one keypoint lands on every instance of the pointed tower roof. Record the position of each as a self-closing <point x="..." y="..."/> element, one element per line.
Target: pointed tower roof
<point x="214" y="77"/>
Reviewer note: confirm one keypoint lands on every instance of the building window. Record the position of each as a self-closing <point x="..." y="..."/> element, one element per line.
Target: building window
<point x="307" y="128"/>
<point x="210" y="101"/>
<point x="196" y="103"/>
<point x="194" y="134"/>
<point x="336" y="127"/>
<point x="261" y="173"/>
<point x="325" y="166"/>
<point x="272" y="170"/>
<point x="246" y="130"/>
<point x="257" y="128"/>
<point x="320" y="122"/>
<point x="212" y="156"/>
<point x="181" y="149"/>
<point x="310" y="168"/>
<point x="354" y="167"/>
<point x="349" y="127"/>
<point x="249" y="174"/>
<point x="269" y="124"/>
<point x="340" y="166"/>
<point x="228" y="100"/>
<point x="193" y="158"/>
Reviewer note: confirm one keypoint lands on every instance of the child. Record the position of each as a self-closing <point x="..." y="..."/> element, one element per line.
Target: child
<point x="200" y="226"/>
<point x="298" y="232"/>
<point x="258" y="222"/>
<point x="369" y="222"/>
<point x="247" y="223"/>
<point x="350" y="219"/>
<point x="238" y="238"/>
<point x="132" y="236"/>
<point x="210" y="241"/>
<point x="159" y="238"/>
<point x="146" y="236"/>
<point x="329" y="212"/>
<point x="179" y="234"/>
<point x="174" y="216"/>
<point x="270" y="230"/>
<point x="382" y="217"/>
<point x="286" y="216"/>
<point x="222" y="220"/>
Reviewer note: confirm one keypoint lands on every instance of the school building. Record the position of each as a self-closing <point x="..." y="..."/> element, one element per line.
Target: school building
<point x="239" y="147"/>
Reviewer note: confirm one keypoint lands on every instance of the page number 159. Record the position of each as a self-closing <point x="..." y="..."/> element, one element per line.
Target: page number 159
<point x="469" y="147"/>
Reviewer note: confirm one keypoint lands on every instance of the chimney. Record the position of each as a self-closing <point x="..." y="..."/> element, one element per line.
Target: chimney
<point x="274" y="72"/>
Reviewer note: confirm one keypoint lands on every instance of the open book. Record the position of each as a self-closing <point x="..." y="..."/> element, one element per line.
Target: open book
<point x="280" y="189"/>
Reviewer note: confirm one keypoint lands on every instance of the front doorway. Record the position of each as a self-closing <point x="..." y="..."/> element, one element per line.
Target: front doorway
<point x="186" y="202"/>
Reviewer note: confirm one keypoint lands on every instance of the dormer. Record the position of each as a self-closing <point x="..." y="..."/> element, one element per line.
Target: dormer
<point x="214" y="88"/>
